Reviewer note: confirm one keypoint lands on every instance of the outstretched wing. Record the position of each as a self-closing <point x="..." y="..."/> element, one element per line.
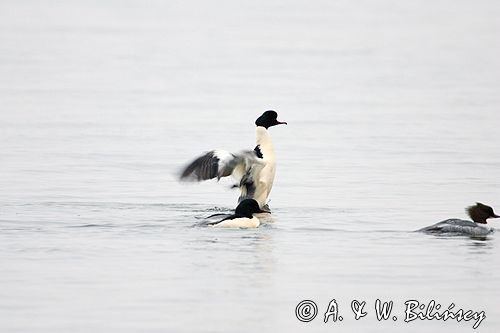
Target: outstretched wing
<point x="218" y="164"/>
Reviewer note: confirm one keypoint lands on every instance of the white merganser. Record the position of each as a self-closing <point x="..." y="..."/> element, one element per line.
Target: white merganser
<point x="253" y="170"/>
<point x="242" y="217"/>
<point x="479" y="213"/>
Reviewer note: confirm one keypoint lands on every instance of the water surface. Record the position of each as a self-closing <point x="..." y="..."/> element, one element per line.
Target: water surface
<point x="393" y="125"/>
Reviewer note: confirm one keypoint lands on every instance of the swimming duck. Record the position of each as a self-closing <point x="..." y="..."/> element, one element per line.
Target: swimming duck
<point x="479" y="213"/>
<point x="242" y="217"/>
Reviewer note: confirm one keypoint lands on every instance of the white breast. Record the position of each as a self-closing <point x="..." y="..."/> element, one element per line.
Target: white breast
<point x="241" y="222"/>
<point x="265" y="178"/>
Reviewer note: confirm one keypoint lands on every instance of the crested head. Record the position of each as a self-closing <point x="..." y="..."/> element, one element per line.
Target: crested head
<point x="247" y="208"/>
<point x="268" y="119"/>
<point x="479" y="213"/>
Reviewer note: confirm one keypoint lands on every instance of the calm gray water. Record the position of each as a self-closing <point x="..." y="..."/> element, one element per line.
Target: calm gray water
<point x="393" y="113"/>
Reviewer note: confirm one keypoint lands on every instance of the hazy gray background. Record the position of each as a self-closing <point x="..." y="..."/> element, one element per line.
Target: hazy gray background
<point x="393" y="112"/>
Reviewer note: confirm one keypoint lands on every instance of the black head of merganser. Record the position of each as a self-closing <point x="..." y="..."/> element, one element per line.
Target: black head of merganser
<point x="246" y="208"/>
<point x="268" y="119"/>
<point x="479" y="213"/>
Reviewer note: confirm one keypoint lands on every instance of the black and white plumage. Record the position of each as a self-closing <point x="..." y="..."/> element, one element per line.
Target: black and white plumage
<point x="218" y="164"/>
<point x="253" y="170"/>
<point x="479" y="213"/>
<point x="242" y="217"/>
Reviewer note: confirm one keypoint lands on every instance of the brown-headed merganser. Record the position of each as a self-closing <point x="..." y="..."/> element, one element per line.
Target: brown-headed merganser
<point x="479" y="213"/>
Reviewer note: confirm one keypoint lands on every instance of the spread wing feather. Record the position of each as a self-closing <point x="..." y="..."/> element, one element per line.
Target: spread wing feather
<point x="220" y="163"/>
